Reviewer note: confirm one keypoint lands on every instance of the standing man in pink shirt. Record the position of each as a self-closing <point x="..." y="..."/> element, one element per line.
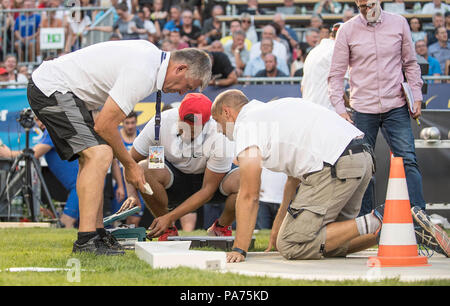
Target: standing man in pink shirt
<point x="376" y="46"/>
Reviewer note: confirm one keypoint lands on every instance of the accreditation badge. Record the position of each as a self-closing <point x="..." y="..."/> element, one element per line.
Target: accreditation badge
<point x="156" y="157"/>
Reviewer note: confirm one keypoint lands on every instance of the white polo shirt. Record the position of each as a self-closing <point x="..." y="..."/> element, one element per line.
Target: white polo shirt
<point x="315" y="73"/>
<point x="128" y="71"/>
<point x="209" y="149"/>
<point x="294" y="136"/>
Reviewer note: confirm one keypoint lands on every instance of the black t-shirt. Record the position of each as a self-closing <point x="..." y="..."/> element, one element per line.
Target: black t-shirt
<point x="221" y="65"/>
<point x="194" y="34"/>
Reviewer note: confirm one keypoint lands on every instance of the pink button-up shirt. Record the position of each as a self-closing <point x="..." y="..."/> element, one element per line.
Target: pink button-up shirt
<point x="375" y="56"/>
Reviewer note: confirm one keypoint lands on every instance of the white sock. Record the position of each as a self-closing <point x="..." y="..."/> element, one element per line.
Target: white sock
<point x="367" y="224"/>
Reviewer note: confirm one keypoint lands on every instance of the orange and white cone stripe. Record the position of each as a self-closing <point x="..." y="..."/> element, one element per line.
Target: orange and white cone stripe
<point x="398" y="246"/>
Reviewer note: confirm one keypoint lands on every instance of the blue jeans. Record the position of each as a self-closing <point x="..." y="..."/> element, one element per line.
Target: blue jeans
<point x="266" y="214"/>
<point x="396" y="129"/>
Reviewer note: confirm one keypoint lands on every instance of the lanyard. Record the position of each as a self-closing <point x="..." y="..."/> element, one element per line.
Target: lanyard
<point x="158" y="107"/>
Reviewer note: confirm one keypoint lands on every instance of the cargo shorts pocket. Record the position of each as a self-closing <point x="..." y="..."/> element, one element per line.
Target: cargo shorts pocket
<point x="350" y="167"/>
<point x="306" y="226"/>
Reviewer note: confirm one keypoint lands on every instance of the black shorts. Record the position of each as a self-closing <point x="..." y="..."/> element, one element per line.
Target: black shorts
<point x="183" y="185"/>
<point x="67" y="120"/>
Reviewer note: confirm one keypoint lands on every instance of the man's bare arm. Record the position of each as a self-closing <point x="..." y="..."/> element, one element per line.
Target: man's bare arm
<point x="106" y="126"/>
<point x="247" y="200"/>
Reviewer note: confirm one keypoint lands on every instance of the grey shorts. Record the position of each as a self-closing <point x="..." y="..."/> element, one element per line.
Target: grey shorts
<point x="323" y="199"/>
<point x="67" y="120"/>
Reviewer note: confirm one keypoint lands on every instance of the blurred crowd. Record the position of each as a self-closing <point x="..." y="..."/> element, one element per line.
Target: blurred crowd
<point x="270" y="49"/>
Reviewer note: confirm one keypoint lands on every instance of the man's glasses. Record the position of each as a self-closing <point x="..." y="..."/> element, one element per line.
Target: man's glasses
<point x="245" y="21"/>
<point x="364" y="7"/>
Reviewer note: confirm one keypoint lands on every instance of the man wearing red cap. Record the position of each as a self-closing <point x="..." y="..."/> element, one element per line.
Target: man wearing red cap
<point x="198" y="161"/>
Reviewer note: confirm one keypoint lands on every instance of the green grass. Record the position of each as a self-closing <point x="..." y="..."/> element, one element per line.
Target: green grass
<point x="52" y="248"/>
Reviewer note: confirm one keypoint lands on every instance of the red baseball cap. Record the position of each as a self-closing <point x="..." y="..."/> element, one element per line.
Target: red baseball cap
<point x="196" y="104"/>
<point x="3" y="71"/>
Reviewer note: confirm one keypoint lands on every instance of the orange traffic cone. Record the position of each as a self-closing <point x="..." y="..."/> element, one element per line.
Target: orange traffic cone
<point x="398" y="246"/>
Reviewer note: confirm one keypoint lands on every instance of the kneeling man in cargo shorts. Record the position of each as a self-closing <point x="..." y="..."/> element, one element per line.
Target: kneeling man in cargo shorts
<point x="321" y="153"/>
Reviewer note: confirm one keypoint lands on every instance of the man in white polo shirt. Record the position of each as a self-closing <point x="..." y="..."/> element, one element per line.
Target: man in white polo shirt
<point x="114" y="76"/>
<point x="316" y="69"/>
<point x="197" y="169"/>
<point x="319" y="151"/>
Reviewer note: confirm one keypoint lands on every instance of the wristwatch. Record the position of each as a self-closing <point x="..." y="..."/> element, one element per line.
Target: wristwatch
<point x="240" y="251"/>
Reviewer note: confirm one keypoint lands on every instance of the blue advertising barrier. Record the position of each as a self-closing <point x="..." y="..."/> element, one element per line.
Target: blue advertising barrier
<point x="12" y="101"/>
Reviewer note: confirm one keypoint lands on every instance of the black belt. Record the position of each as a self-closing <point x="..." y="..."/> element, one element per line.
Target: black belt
<point x="356" y="146"/>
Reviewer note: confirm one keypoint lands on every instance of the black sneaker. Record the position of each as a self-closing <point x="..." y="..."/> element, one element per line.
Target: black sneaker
<point x="428" y="234"/>
<point x="97" y="246"/>
<point x="112" y="242"/>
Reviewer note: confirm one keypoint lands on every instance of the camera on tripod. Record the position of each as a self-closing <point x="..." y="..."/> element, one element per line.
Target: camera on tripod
<point x="26" y="118"/>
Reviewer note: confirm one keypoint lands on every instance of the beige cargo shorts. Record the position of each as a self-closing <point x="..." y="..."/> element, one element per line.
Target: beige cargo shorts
<point x="324" y="198"/>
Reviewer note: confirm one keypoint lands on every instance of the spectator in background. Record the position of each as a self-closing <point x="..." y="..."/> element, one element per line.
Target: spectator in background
<point x="237" y="53"/>
<point x="190" y="33"/>
<point x="256" y="64"/>
<point x="299" y="55"/>
<point x="317" y="65"/>
<point x="249" y="28"/>
<point x="42" y="4"/>
<point x="26" y="31"/>
<point x="270" y="68"/>
<point x="153" y="32"/>
<point x="17" y="4"/>
<point x="327" y="7"/>
<point x="434" y="7"/>
<point x="281" y="40"/>
<point x="235" y="25"/>
<point x="59" y="14"/>
<point x="13" y="75"/>
<point x="347" y="14"/>
<point x="278" y="48"/>
<point x="438" y="21"/>
<point x="223" y="73"/>
<point x="441" y="49"/>
<point x="286" y="33"/>
<point x="289" y="8"/>
<point x="166" y="45"/>
<point x="316" y="21"/>
<point x="447" y="21"/>
<point x="312" y="38"/>
<point x="252" y="8"/>
<point x="416" y="30"/>
<point x="24" y="71"/>
<point x="6" y="27"/>
<point x="434" y="68"/>
<point x="396" y="7"/>
<point x="212" y="27"/>
<point x="324" y="32"/>
<point x="216" y="46"/>
<point x="75" y="31"/>
<point x="175" y="39"/>
<point x="50" y="19"/>
<point x="127" y="26"/>
<point x="158" y="14"/>
<point x="174" y="21"/>
<point x="270" y="197"/>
